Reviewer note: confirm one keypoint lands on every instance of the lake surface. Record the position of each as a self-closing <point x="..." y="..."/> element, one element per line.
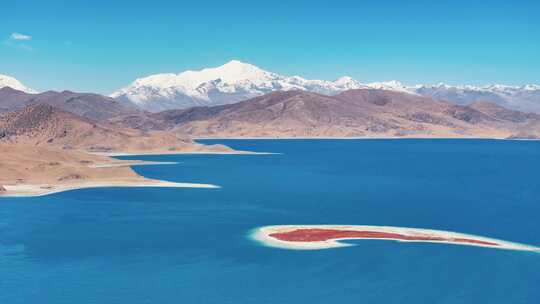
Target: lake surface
<point x="149" y="245"/>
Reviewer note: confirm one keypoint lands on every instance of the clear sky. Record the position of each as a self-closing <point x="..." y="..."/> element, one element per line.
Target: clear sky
<point x="103" y="45"/>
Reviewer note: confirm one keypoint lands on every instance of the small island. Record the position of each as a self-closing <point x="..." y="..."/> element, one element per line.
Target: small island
<point x="312" y="237"/>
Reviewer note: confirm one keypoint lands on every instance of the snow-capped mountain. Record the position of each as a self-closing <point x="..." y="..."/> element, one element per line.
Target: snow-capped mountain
<point x="236" y="81"/>
<point x="229" y="83"/>
<point x="8" y="81"/>
<point x="392" y="85"/>
<point x="522" y="98"/>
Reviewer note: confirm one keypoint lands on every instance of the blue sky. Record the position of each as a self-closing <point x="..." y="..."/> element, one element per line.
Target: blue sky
<point x="101" y="46"/>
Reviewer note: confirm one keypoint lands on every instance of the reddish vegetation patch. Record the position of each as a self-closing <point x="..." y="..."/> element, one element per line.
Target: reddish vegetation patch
<point x="317" y="234"/>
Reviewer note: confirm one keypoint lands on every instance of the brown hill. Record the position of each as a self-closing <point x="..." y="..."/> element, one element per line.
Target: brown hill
<point x="45" y="125"/>
<point x="36" y="165"/>
<point x="503" y="114"/>
<point x="89" y="105"/>
<point x="355" y="113"/>
<point x="142" y="121"/>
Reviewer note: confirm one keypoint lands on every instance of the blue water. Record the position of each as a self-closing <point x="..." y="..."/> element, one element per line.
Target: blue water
<point x="191" y="245"/>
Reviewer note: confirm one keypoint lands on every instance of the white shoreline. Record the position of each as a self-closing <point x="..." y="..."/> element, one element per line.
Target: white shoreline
<point x="113" y="154"/>
<point x="362" y="138"/>
<point x="35" y="190"/>
<point x="129" y="163"/>
<point x="261" y="235"/>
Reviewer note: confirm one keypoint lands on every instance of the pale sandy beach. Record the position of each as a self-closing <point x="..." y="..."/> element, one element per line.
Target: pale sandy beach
<point x="129" y="163"/>
<point x="32" y="190"/>
<point x="233" y="152"/>
<point x="356" y="138"/>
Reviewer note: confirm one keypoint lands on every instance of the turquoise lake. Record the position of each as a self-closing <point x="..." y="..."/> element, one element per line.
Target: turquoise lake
<point x="155" y="245"/>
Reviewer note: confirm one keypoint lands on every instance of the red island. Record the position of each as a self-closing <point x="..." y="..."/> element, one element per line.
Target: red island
<point x="315" y="237"/>
<point x="319" y="235"/>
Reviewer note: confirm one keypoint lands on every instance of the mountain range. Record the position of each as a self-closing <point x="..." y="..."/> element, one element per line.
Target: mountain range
<point x="99" y="123"/>
<point x="88" y="105"/>
<point x="353" y="113"/>
<point x="229" y="83"/>
<point x="236" y="81"/>
<point x="48" y="126"/>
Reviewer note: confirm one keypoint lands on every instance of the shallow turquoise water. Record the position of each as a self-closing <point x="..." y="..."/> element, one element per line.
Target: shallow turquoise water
<point x="191" y="245"/>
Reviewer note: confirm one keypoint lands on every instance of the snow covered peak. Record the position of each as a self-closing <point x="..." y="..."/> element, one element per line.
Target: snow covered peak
<point x="228" y="83"/>
<point x="231" y="72"/>
<point x="531" y="87"/>
<point x="347" y="83"/>
<point x="235" y="81"/>
<point x="392" y="85"/>
<point x="440" y="85"/>
<point x="491" y="88"/>
<point x="8" y="81"/>
<point x="236" y="66"/>
<point x="386" y="84"/>
<point x="344" y="80"/>
<point x="499" y="88"/>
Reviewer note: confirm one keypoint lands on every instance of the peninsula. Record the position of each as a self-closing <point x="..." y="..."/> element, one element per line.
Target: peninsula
<point x="44" y="150"/>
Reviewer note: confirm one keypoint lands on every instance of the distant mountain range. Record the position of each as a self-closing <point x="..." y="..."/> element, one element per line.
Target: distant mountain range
<point x="236" y="81"/>
<point x="353" y="113"/>
<point x="95" y="122"/>
<point x="88" y="105"/>
<point x="229" y="83"/>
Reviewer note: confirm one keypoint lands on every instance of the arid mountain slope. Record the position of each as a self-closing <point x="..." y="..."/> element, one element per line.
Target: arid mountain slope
<point x="45" y="125"/>
<point x="36" y="165"/>
<point x="354" y="113"/>
<point x="92" y="106"/>
<point x="501" y="113"/>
